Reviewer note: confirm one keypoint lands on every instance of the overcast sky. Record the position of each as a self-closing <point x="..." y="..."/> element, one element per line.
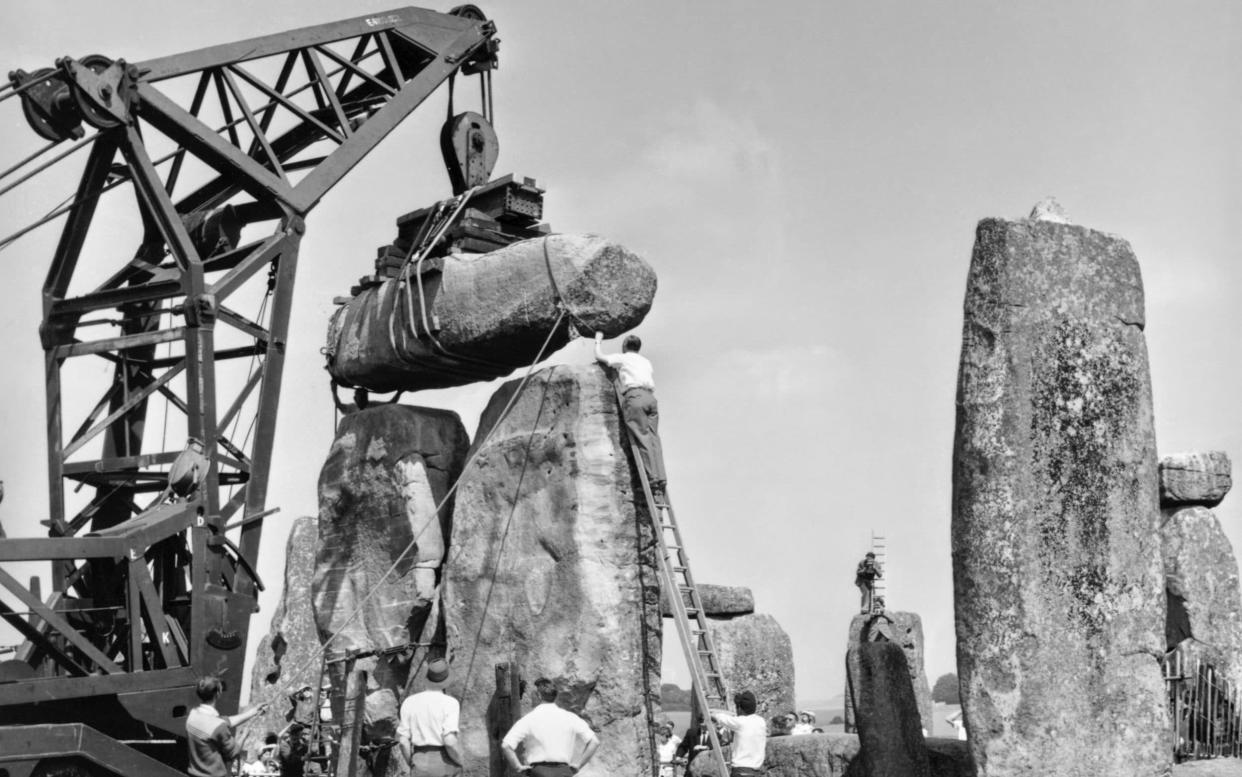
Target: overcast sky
<point x="805" y="177"/>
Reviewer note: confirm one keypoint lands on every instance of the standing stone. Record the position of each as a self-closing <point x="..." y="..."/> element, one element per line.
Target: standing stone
<point x="1195" y="479"/>
<point x="1056" y="558"/>
<point x="906" y="630"/>
<point x="551" y="568"/>
<point x="288" y="656"/>
<point x="756" y="655"/>
<point x="1203" y="575"/>
<point x="388" y="469"/>
<point x="890" y="732"/>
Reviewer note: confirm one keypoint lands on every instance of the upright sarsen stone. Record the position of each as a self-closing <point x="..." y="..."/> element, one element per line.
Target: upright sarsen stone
<point x="1056" y="552"/>
<point x="551" y="568"/>
<point x="288" y="655"/>
<point x="906" y="630"/>
<point x="756" y="655"/>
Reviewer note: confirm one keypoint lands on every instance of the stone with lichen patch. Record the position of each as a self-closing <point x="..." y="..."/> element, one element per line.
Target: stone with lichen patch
<point x="1196" y="478"/>
<point x="1058" y="580"/>
<point x="552" y="568"/>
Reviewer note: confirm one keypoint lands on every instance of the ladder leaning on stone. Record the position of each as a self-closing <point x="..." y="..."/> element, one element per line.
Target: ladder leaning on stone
<point x="685" y="603"/>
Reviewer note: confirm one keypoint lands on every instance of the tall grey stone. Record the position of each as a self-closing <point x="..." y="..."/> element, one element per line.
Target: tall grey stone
<point x="756" y="655"/>
<point x="381" y="546"/>
<point x="906" y="630"/>
<point x="551" y="568"/>
<point x="288" y="655"/>
<point x="1203" y="581"/>
<point x="890" y="732"/>
<point x="1056" y="558"/>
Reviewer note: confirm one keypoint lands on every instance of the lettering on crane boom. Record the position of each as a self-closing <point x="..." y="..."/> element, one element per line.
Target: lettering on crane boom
<point x="376" y="21"/>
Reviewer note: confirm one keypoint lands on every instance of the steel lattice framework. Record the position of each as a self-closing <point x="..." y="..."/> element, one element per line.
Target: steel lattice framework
<point x="163" y="593"/>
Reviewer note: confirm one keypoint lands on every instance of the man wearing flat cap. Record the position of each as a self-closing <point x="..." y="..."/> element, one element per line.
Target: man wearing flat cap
<point x="555" y="742"/>
<point x="750" y="740"/>
<point x="427" y="733"/>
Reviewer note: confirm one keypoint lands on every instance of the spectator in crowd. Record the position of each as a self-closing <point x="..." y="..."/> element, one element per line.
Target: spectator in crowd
<point x="806" y="722"/>
<point x="667" y="743"/>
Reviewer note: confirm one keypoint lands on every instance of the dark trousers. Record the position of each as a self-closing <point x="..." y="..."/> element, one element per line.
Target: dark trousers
<point x="550" y="770"/>
<point x="642" y="418"/>
<point x="432" y="762"/>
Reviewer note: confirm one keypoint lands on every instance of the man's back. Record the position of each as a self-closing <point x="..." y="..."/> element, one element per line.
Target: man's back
<point x="549" y="734"/>
<point x="211" y="743"/>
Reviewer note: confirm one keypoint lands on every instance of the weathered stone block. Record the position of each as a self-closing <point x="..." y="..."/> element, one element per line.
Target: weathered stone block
<point x="1056" y="559"/>
<point x="287" y="657"/>
<point x="756" y="655"/>
<point x="1195" y="479"/>
<point x="719" y="601"/>
<point x="906" y="629"/>
<point x="1202" y="576"/>
<point x="836" y="755"/>
<point x="889" y="729"/>
<point x="551" y="568"/>
<point x="490" y="313"/>
<point x="388" y="469"/>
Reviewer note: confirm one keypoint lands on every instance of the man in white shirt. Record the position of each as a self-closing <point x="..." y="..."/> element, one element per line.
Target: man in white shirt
<point x="638" y="405"/>
<point x="549" y="737"/>
<point x="750" y="740"/>
<point x="428" y="730"/>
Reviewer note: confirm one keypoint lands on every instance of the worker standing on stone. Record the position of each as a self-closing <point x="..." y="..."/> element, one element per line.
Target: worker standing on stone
<point x="427" y="733"/>
<point x="750" y="739"/>
<point x="638" y="404"/>
<point x="549" y="737"/>
<point x="209" y="734"/>
<point x="865" y="577"/>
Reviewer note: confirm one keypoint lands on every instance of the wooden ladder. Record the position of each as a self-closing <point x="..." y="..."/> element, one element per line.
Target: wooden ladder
<point x="708" y="685"/>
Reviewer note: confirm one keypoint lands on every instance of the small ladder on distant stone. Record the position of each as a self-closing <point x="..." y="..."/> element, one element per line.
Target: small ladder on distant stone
<point x="708" y="684"/>
<point x="879" y="546"/>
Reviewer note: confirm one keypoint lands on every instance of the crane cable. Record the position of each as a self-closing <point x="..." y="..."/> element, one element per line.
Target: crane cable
<point x="323" y="646"/>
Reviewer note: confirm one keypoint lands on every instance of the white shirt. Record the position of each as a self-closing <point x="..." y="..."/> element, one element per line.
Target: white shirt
<point x="751" y="740"/>
<point x="550" y="734"/>
<point x="668" y="750"/>
<point x="633" y="369"/>
<point x="428" y="717"/>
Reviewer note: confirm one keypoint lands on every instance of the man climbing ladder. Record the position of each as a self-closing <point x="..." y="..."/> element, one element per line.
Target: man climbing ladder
<point x="638" y="405"/>
<point x="634" y="386"/>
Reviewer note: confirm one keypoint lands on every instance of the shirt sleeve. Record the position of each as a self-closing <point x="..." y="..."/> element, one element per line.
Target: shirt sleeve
<point x="449" y="721"/>
<point x="612" y="360"/>
<point x="728" y="721"/>
<point x="515" y="735"/>
<point x="229" y="747"/>
<point x="582" y="729"/>
<point x="403" y="724"/>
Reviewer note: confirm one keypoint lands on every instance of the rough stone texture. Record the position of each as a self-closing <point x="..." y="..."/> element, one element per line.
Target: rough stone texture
<point x="551" y="567"/>
<point x="1056" y="559"/>
<point x="756" y="655"/>
<point x="906" y="629"/>
<point x="1195" y="478"/>
<point x="388" y="468"/>
<point x="889" y="728"/>
<point x="836" y="755"/>
<point x="287" y="657"/>
<point x="1203" y="572"/>
<point x="719" y="601"/>
<point x="497" y="307"/>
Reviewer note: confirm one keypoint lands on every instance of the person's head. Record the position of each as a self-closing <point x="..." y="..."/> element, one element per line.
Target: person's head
<point x="807" y="717"/>
<point x="665" y="731"/>
<point x="437" y="672"/>
<point x="871" y="557"/>
<point x="545" y="689"/>
<point x="209" y="688"/>
<point x="631" y="343"/>
<point x="745" y="702"/>
<point x="270" y="738"/>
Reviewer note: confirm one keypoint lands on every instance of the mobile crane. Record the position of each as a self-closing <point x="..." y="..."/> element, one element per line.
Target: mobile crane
<point x="154" y="577"/>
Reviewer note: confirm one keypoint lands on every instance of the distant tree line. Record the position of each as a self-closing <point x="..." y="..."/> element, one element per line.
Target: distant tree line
<point x="947" y="690"/>
<point x="674" y="699"/>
